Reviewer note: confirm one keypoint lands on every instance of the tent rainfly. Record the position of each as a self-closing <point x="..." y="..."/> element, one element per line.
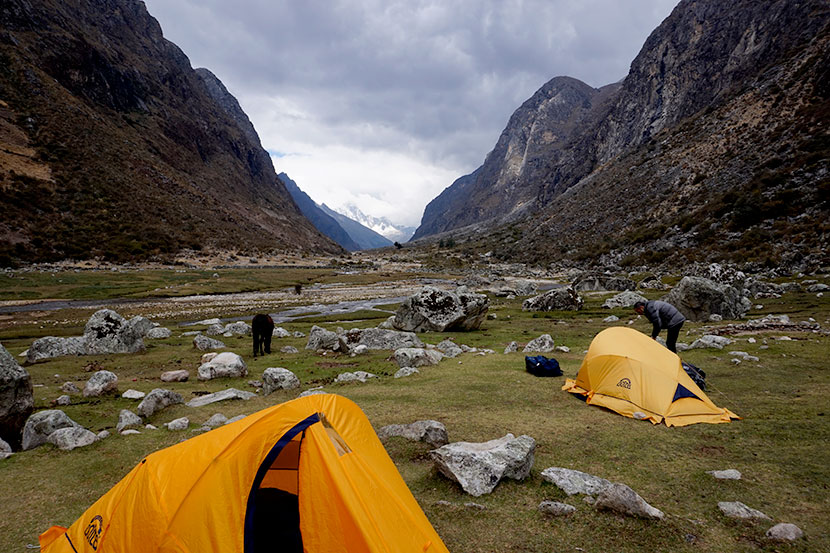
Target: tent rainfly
<point x="307" y="475"/>
<point x="630" y="373"/>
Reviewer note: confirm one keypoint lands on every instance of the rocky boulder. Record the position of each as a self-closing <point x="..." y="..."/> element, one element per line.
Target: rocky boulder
<point x="479" y="467"/>
<point x="127" y="419"/>
<point x="320" y="338"/>
<point x="558" y="299"/>
<point x="157" y="400"/>
<point x="5" y="450"/>
<point x="573" y="481"/>
<point x="432" y="432"/>
<point x="225" y="365"/>
<point x="379" y="339"/>
<point x="785" y="531"/>
<point x="449" y="348"/>
<point x="698" y="298"/>
<point x="542" y="344"/>
<point x="40" y="426"/>
<point x="622" y="499"/>
<point x="158" y="333"/>
<point x="179" y="375"/>
<point x="601" y="282"/>
<point x="437" y="310"/>
<point x="49" y="347"/>
<point x="417" y="357"/>
<point x="278" y="378"/>
<point x="16" y="398"/>
<point x="108" y="332"/>
<point x="203" y="343"/>
<point x="224" y="395"/>
<point x="357" y="376"/>
<point x="72" y="437"/>
<point x="736" y="509"/>
<point x="100" y="383"/>
<point x="623" y="299"/>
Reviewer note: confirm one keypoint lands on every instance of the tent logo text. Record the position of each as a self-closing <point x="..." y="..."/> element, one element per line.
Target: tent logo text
<point x="93" y="531"/>
<point x="624" y="383"/>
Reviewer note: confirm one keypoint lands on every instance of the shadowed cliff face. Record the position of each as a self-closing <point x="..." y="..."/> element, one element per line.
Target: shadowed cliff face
<point x="136" y="154"/>
<point x="719" y="92"/>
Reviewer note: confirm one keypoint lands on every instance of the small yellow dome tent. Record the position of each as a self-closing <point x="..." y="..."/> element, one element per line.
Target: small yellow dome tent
<point x="629" y="372"/>
<point x="307" y="475"/>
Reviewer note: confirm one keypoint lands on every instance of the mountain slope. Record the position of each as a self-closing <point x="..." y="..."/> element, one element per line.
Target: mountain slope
<point x="119" y="149"/>
<point x="714" y="146"/>
<point x="324" y="222"/>
<point x="366" y="238"/>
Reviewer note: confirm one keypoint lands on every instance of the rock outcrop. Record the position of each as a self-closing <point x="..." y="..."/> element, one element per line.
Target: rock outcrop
<point x="16" y="399"/>
<point x="435" y="310"/>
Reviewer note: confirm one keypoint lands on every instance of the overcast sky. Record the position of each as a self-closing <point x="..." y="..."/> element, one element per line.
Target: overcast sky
<point x="383" y="104"/>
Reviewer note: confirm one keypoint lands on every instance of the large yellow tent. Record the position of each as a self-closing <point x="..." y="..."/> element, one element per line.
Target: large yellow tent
<point x="630" y="373"/>
<point x="307" y="475"/>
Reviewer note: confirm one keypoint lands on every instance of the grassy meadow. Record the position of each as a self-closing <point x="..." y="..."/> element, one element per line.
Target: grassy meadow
<point x="780" y="445"/>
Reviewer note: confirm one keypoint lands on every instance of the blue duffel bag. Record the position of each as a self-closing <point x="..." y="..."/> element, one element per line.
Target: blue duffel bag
<point x="540" y="365"/>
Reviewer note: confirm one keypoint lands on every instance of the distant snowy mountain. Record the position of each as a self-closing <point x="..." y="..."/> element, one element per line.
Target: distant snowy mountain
<point x="381" y="225"/>
<point x="365" y="237"/>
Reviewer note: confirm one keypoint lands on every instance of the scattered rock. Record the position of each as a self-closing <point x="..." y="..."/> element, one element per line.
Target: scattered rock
<point x="611" y="319"/>
<point x="449" y="348"/>
<point x="203" y="343"/>
<point x="320" y="338"/>
<point x="16" y="398"/>
<point x="313" y="392"/>
<point x="562" y="349"/>
<point x="130" y="432"/>
<point x="698" y="298"/>
<point x="226" y="364"/>
<point x="126" y="419"/>
<point x="70" y="388"/>
<point x="103" y="434"/>
<point x="180" y="375"/>
<point x="157" y="400"/>
<point x="479" y="467"/>
<point x="558" y="299"/>
<point x="133" y="394"/>
<point x="361" y="349"/>
<point x="736" y="509"/>
<point x="71" y="437"/>
<point x="379" y="339"/>
<point x="437" y="310"/>
<point x="278" y="378"/>
<point x="601" y="282"/>
<point x="63" y="400"/>
<point x="785" y="531"/>
<point x="512" y="347"/>
<point x="215" y="330"/>
<point x="622" y="499"/>
<point x="280" y="332"/>
<point x="216" y="420"/>
<point x="178" y="424"/>
<point x="710" y="341"/>
<point x="230" y="393"/>
<point x="100" y="383"/>
<point x="357" y="376"/>
<point x="555" y="508"/>
<point x="623" y="299"/>
<point x="208" y="322"/>
<point x="289" y="349"/>
<point x="542" y="344"/>
<point x="206" y="358"/>
<point x="406" y="371"/>
<point x="417" y="357"/>
<point x="728" y="474"/>
<point x="239" y="328"/>
<point x="744" y="356"/>
<point x="159" y="333"/>
<point x="40" y="425"/>
<point x="432" y="432"/>
<point x="49" y="347"/>
<point x="573" y="481"/>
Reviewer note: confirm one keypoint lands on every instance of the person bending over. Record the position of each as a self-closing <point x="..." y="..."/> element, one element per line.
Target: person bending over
<point x="662" y="315"/>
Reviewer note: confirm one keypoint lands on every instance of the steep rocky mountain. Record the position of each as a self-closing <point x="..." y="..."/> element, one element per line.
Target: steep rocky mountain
<point x="111" y="145"/>
<point x="366" y="238"/>
<point x="322" y="220"/>
<point x="715" y="146"/>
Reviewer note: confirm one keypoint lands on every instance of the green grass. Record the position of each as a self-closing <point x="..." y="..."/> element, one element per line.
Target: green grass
<point x="780" y="446"/>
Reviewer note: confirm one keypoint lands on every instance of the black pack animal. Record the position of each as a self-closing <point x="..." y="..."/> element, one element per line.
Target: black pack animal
<point x="262" y="327"/>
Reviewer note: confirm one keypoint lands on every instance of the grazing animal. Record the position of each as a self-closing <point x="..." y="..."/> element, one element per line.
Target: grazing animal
<point x="262" y="327"/>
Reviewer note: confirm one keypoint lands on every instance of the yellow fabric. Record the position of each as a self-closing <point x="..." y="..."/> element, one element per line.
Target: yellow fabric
<point x="627" y="372"/>
<point x="192" y="497"/>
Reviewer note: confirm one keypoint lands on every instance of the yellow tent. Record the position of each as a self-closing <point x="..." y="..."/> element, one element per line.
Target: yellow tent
<point x="307" y="475"/>
<point x="628" y="372"/>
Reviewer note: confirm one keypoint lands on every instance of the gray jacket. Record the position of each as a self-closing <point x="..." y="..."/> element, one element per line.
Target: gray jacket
<point x="662" y="315"/>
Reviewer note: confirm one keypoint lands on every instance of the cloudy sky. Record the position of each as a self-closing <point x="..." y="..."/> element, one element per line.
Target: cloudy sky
<point x="384" y="103"/>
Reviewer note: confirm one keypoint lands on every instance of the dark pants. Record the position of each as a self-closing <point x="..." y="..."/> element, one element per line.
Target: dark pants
<point x="671" y="337"/>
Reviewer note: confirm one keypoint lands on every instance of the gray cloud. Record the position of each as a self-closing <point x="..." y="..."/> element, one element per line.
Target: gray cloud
<point x="434" y="80"/>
